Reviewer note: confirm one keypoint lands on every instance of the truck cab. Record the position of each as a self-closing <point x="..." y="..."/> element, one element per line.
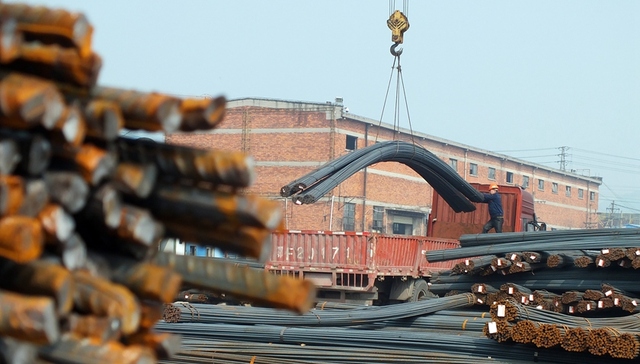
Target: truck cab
<point x="519" y="214"/>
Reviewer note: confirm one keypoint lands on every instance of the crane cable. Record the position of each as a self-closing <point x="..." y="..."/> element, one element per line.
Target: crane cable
<point x="398" y="23"/>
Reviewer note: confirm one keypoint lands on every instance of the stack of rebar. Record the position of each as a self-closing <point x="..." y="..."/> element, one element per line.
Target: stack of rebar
<point x="457" y="192"/>
<point x="83" y="211"/>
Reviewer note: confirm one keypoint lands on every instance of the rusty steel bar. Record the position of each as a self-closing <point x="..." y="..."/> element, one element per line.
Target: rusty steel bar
<point x="70" y="129"/>
<point x="244" y="240"/>
<point x="148" y="281"/>
<point x="35" y="198"/>
<point x="34" y="151"/>
<point x="135" y="179"/>
<point x="137" y="225"/>
<point x="73" y="253"/>
<point x="234" y="169"/>
<point x="74" y="350"/>
<point x="98" y="296"/>
<point x="40" y="278"/>
<point x="150" y="313"/>
<point x="52" y="26"/>
<point x="242" y="281"/>
<point x="21" y="238"/>
<point x="12" y="190"/>
<point x="104" y="119"/>
<point x="202" y="114"/>
<point x="165" y="345"/>
<point x="104" y="207"/>
<point x="58" y="226"/>
<point x="32" y="319"/>
<point x="57" y="63"/>
<point x="100" y="328"/>
<point x="11" y="39"/>
<point x="94" y="164"/>
<point x="209" y="208"/>
<point x="68" y="189"/>
<point x="9" y="156"/>
<point x="26" y="102"/>
<point x="147" y="111"/>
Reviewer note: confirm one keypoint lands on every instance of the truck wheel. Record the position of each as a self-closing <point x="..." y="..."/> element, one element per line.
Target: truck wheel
<point x="420" y="290"/>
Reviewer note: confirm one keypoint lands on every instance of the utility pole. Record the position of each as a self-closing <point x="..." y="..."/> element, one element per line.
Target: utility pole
<point x="563" y="158"/>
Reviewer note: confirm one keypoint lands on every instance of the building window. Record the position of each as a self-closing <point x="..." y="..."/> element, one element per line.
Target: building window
<point x="509" y="177"/>
<point x="349" y="217"/>
<point x="554" y="187"/>
<point x="192" y="250"/>
<point x="492" y="173"/>
<point x="454" y="164"/>
<point x="567" y="191"/>
<point x="378" y="218"/>
<point x="592" y="196"/>
<point x="352" y="142"/>
<point x="525" y="182"/>
<point x="473" y="169"/>
<point x="580" y="193"/>
<point x="541" y="184"/>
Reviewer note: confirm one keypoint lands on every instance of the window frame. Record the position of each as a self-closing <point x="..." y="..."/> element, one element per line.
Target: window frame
<point x="554" y="187"/>
<point x="473" y="169"/>
<point x="540" y="184"/>
<point x="492" y="173"/>
<point x="509" y="178"/>
<point x="351" y="143"/>
<point x="349" y="216"/>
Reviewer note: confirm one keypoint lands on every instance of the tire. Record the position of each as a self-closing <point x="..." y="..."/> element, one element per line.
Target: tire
<point x="420" y="290"/>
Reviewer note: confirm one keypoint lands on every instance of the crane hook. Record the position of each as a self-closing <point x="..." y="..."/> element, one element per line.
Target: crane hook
<point x="394" y="52"/>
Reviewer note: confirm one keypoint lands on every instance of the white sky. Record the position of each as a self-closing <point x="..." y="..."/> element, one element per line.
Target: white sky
<point x="521" y="78"/>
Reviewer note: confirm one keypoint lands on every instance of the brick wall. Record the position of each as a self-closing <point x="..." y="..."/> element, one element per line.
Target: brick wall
<point x="289" y="139"/>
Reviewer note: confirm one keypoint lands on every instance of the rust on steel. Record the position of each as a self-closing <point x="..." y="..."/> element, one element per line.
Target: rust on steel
<point x="104" y="206"/>
<point x="26" y="102"/>
<point x="100" y="328"/>
<point x="146" y="111"/>
<point x="68" y="189"/>
<point x="71" y="128"/>
<point x="213" y="207"/>
<point x="12" y="191"/>
<point x="42" y="278"/>
<point x="137" y="225"/>
<point x="151" y="313"/>
<point x="202" y="114"/>
<point x="165" y="345"/>
<point x="235" y="169"/>
<point x="52" y="26"/>
<point x="74" y="349"/>
<point x="37" y="323"/>
<point x="254" y="284"/>
<point x="104" y="119"/>
<point x="95" y="164"/>
<point x="21" y="238"/>
<point x="57" y="224"/>
<point x="136" y="179"/>
<point x="57" y="63"/>
<point x="98" y="296"/>
<point x="148" y="281"/>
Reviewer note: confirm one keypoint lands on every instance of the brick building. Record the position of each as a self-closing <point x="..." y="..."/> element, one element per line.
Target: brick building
<point x="289" y="139"/>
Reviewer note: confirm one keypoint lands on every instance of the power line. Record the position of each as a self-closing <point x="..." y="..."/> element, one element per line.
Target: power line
<point x="609" y="155"/>
<point x="524" y="150"/>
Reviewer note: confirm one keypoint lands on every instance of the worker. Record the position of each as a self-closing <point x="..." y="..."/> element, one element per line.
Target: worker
<point x="495" y="210"/>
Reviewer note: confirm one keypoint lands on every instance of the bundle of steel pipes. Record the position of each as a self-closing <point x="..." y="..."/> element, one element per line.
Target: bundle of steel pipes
<point x="83" y="210"/>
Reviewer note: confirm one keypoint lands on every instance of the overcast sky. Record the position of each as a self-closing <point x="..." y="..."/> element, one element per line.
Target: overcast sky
<point x="522" y="78"/>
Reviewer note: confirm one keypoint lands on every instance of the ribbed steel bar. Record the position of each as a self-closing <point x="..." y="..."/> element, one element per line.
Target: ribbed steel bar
<point x="371" y="314"/>
<point x="596" y="242"/>
<point x="242" y="281"/>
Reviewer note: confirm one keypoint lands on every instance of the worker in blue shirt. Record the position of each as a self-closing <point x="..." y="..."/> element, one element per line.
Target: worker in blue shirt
<point x="495" y="210"/>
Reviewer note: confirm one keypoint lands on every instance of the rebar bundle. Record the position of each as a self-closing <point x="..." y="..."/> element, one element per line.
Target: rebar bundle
<point x="457" y="192"/>
<point x="83" y="210"/>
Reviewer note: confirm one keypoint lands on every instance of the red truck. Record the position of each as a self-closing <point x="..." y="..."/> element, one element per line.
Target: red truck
<point x="379" y="269"/>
